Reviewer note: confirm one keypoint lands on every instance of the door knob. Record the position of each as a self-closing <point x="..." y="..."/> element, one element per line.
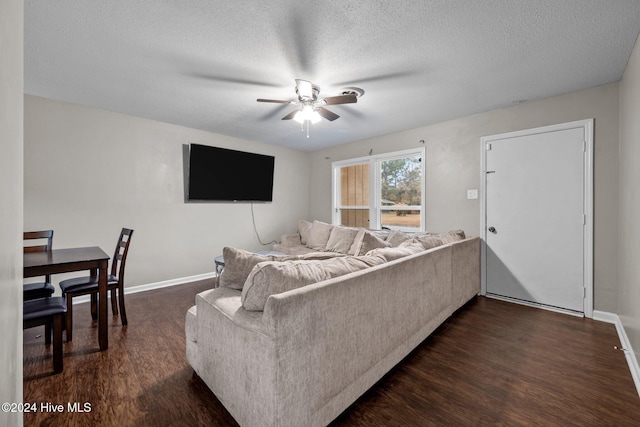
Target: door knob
<point x="493" y="230"/>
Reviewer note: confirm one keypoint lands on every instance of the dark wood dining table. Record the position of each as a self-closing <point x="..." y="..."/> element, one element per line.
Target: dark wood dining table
<point x="91" y="258"/>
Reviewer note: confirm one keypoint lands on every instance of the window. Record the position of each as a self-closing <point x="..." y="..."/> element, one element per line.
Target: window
<point x="401" y="193"/>
<point x="354" y="195"/>
<point x="383" y="191"/>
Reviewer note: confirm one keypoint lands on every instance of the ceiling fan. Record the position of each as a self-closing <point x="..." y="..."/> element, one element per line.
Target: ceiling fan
<point x="311" y="109"/>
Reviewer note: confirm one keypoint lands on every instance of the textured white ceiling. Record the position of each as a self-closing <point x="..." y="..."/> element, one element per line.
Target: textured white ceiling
<point x="203" y="63"/>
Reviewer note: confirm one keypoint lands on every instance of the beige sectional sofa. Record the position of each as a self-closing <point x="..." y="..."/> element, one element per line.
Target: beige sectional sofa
<point x="319" y="236"/>
<point x="293" y="341"/>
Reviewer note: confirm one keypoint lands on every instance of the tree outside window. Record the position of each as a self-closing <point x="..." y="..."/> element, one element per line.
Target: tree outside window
<point x="401" y="192"/>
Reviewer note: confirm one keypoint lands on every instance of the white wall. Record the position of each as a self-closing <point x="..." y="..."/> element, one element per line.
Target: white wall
<point x="629" y="175"/>
<point x="11" y="87"/>
<point x="90" y="172"/>
<point x="453" y="166"/>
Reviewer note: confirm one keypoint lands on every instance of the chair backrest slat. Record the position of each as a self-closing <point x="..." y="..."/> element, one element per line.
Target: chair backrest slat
<point x="39" y="235"/>
<point x="32" y="249"/>
<point x="120" y="254"/>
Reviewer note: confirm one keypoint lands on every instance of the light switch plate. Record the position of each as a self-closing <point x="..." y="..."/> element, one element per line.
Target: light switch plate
<point x="472" y="194"/>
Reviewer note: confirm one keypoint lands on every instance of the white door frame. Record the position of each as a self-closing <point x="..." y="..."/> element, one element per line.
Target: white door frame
<point x="587" y="125"/>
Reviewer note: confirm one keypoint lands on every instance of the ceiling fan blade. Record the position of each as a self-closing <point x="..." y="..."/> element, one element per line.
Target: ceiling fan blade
<point x="327" y="114"/>
<point x="304" y="89"/>
<point x="277" y="101"/>
<point x="341" y="99"/>
<point x="380" y="77"/>
<point x="275" y="111"/>
<point x="227" y="79"/>
<point x="290" y="115"/>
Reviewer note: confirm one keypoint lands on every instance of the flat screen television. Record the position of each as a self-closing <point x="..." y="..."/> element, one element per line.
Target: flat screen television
<point x="221" y="174"/>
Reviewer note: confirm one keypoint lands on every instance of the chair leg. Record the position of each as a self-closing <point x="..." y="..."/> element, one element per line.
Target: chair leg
<point x="47" y="333"/>
<point x="57" y="343"/>
<point x="114" y="302"/>
<point x="123" y="312"/>
<point x="69" y="322"/>
<point x="94" y="306"/>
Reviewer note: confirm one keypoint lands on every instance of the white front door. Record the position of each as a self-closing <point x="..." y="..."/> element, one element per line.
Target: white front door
<point x="536" y="213"/>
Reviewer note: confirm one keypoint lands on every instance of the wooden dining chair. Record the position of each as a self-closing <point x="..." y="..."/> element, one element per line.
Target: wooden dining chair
<point x="88" y="285"/>
<point x="51" y="313"/>
<point x="40" y="289"/>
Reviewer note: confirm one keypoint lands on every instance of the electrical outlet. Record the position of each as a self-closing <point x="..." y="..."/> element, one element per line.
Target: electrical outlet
<point x="472" y="194"/>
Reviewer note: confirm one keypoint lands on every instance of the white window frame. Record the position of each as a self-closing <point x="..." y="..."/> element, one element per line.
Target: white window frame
<point x="375" y="203"/>
<point x="336" y="206"/>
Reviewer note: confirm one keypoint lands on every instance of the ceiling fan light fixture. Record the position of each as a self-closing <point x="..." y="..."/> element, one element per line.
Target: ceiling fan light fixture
<point x="307" y="91"/>
<point x="315" y="117"/>
<point x="298" y="117"/>
<point x="307" y="113"/>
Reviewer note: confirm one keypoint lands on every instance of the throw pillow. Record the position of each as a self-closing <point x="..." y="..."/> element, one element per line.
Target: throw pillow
<point x="319" y="235"/>
<point x="310" y="256"/>
<point x="238" y="263"/>
<point x="427" y="241"/>
<point x="269" y="278"/>
<point x="452" y="236"/>
<point x="304" y="227"/>
<point x="368" y="241"/>
<point x="357" y="242"/>
<point x="341" y="239"/>
<point x="381" y="234"/>
<point x="392" y="254"/>
<point x="396" y="237"/>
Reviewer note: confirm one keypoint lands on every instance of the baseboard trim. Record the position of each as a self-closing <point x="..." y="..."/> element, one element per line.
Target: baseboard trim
<point x="156" y="285"/>
<point x="632" y="361"/>
<point x="535" y="305"/>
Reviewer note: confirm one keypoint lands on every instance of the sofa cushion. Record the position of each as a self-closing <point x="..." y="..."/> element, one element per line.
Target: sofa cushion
<point x="381" y="234"/>
<point x="452" y="236"/>
<point x="238" y="264"/>
<point x="427" y="241"/>
<point x="319" y="235"/>
<point x="275" y="277"/>
<point x="293" y="250"/>
<point x="304" y="228"/>
<point x="393" y="253"/>
<point x="341" y="239"/>
<point x="292" y="239"/>
<point x="366" y="240"/>
<point x="311" y="256"/>
<point x="396" y="237"/>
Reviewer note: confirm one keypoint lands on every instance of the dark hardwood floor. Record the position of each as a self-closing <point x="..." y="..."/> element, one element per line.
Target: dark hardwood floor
<point x="492" y="363"/>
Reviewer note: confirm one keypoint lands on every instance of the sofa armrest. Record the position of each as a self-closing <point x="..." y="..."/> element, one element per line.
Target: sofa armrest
<point x="290" y="239"/>
<point x="465" y="270"/>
